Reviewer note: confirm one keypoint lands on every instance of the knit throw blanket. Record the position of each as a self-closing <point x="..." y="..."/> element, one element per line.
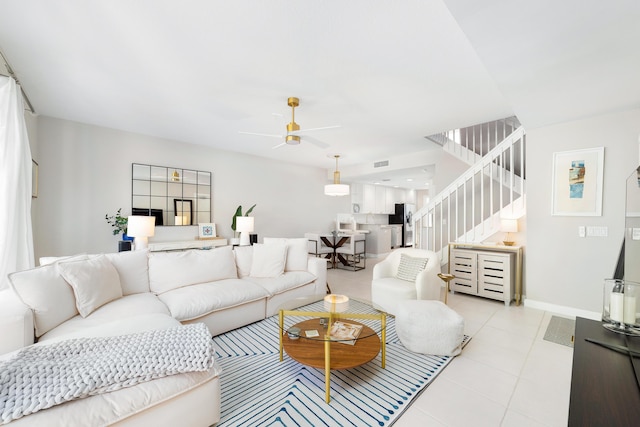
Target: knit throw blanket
<point x="39" y="377"/>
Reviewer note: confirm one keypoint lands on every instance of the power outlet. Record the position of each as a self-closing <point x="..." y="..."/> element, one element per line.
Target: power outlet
<point x="597" y="231"/>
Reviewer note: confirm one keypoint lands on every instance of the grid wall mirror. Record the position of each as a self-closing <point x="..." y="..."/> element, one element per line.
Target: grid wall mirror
<point x="174" y="196"/>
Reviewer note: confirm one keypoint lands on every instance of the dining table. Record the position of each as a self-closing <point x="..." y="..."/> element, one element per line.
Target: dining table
<point x="334" y="241"/>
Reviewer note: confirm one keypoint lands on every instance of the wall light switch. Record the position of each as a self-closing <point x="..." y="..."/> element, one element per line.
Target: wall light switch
<point x="582" y="231"/>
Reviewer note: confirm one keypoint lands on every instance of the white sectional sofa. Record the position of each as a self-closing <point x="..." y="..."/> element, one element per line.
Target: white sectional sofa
<point x="129" y="292"/>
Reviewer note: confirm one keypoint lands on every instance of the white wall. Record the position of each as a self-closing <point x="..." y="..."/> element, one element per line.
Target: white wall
<point x="85" y="173"/>
<point x="562" y="268"/>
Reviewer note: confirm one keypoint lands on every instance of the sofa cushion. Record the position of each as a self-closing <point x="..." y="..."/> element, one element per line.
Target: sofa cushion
<point x="172" y="270"/>
<point x="95" y="282"/>
<point x="268" y="260"/>
<point x="284" y="282"/>
<point x="296" y="252"/>
<point x="410" y="267"/>
<point x="47" y="294"/>
<point x="244" y="258"/>
<point x="127" y="307"/>
<point x="127" y="325"/>
<point x="133" y="269"/>
<point x="195" y="301"/>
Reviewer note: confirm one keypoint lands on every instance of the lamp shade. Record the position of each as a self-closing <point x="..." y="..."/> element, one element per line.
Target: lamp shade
<point x="509" y="225"/>
<point x="336" y="190"/>
<point x="141" y="226"/>
<point x="244" y="224"/>
<point x="334" y="303"/>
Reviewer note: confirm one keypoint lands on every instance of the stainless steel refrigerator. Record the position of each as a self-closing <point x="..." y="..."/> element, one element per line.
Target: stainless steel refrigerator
<point x="403" y="216"/>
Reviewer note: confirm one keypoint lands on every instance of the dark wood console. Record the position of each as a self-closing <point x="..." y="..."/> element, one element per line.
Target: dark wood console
<point x="604" y="391"/>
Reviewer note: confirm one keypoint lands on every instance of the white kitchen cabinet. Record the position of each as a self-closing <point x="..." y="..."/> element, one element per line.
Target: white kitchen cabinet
<point x="390" y="199"/>
<point x="368" y="198"/>
<point x="381" y="199"/>
<point x="483" y="273"/>
<point x="356" y="198"/>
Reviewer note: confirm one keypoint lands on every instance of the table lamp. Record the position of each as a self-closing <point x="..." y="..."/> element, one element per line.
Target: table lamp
<point x="141" y="228"/>
<point x="508" y="226"/>
<point x="244" y="224"/>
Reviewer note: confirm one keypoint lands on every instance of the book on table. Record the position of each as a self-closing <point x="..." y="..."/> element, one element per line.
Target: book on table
<point x="344" y="332"/>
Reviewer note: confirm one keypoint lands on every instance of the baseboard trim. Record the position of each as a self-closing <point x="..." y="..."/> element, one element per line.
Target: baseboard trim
<point x="563" y="310"/>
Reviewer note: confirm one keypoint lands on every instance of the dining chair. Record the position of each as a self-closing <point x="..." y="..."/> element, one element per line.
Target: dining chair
<point x="317" y="248"/>
<point x="352" y="254"/>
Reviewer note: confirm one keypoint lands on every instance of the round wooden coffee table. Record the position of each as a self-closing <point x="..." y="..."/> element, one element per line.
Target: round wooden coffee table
<point x="310" y="352"/>
<point x="322" y="351"/>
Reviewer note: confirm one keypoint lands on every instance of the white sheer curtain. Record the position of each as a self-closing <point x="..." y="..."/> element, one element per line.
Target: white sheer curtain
<point x="16" y="235"/>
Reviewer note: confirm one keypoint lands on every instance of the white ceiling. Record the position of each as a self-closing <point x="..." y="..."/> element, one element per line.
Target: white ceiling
<point x="387" y="72"/>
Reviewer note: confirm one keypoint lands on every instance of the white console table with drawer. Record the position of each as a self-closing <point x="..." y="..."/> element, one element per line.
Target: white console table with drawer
<point x="490" y="271"/>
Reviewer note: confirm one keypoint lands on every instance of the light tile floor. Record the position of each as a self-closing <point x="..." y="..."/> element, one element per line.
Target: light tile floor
<point x="506" y="376"/>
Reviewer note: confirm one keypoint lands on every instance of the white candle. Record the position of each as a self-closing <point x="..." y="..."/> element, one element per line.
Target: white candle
<point x="616" y="307"/>
<point x="630" y="310"/>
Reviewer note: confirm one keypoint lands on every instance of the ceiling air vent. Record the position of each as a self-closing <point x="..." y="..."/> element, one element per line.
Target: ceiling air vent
<point x="381" y="164"/>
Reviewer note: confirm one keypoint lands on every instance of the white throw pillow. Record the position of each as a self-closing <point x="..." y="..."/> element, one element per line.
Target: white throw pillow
<point x="133" y="269"/>
<point x="49" y="296"/>
<point x="244" y="258"/>
<point x="410" y="267"/>
<point x="268" y="260"/>
<point x="171" y="270"/>
<point x="297" y="256"/>
<point x="95" y="282"/>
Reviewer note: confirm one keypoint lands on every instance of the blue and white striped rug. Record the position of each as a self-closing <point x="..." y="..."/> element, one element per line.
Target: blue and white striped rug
<point x="259" y="390"/>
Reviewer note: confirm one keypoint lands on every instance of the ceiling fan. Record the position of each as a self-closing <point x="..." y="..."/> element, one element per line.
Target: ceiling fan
<point x="293" y="137"/>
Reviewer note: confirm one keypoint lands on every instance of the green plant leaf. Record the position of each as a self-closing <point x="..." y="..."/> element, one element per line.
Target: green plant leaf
<point x="249" y="211"/>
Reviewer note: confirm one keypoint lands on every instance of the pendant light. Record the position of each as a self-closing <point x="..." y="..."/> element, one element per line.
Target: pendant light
<point x="336" y="189"/>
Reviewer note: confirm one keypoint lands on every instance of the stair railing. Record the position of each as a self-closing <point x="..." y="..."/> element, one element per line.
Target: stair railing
<point x="470" y="208"/>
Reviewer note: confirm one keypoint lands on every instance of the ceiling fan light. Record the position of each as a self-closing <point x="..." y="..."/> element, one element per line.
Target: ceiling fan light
<point x="336" y="190"/>
<point x="292" y="139"/>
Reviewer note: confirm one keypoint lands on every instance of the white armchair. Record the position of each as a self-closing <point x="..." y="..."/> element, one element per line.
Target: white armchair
<point x="387" y="290"/>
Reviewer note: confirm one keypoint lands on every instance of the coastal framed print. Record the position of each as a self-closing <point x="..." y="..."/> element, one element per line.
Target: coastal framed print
<point x="577" y="182"/>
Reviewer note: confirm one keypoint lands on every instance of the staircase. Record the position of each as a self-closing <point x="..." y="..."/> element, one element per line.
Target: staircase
<point x="470" y="208"/>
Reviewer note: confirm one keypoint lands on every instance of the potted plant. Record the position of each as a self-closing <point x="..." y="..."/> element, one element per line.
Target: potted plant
<point x="238" y="213"/>
<point x="119" y="224"/>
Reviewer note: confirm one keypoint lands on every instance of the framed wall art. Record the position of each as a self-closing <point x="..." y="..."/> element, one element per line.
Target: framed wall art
<point x="577" y="182"/>
<point x="206" y="230"/>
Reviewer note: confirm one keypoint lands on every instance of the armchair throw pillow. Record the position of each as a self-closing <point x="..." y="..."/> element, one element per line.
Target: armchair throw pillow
<point x="410" y="267"/>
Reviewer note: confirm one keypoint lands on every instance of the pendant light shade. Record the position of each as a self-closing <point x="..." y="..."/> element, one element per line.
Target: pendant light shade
<point x="336" y="189"/>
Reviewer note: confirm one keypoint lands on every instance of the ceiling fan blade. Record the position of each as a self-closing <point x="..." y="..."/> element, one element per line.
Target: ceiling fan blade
<point x="312" y="129"/>
<point x="278" y="146"/>
<point x="315" y="141"/>
<point x="261" y="134"/>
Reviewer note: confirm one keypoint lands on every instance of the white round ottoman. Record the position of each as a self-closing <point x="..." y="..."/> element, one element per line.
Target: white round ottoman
<point x="429" y="327"/>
